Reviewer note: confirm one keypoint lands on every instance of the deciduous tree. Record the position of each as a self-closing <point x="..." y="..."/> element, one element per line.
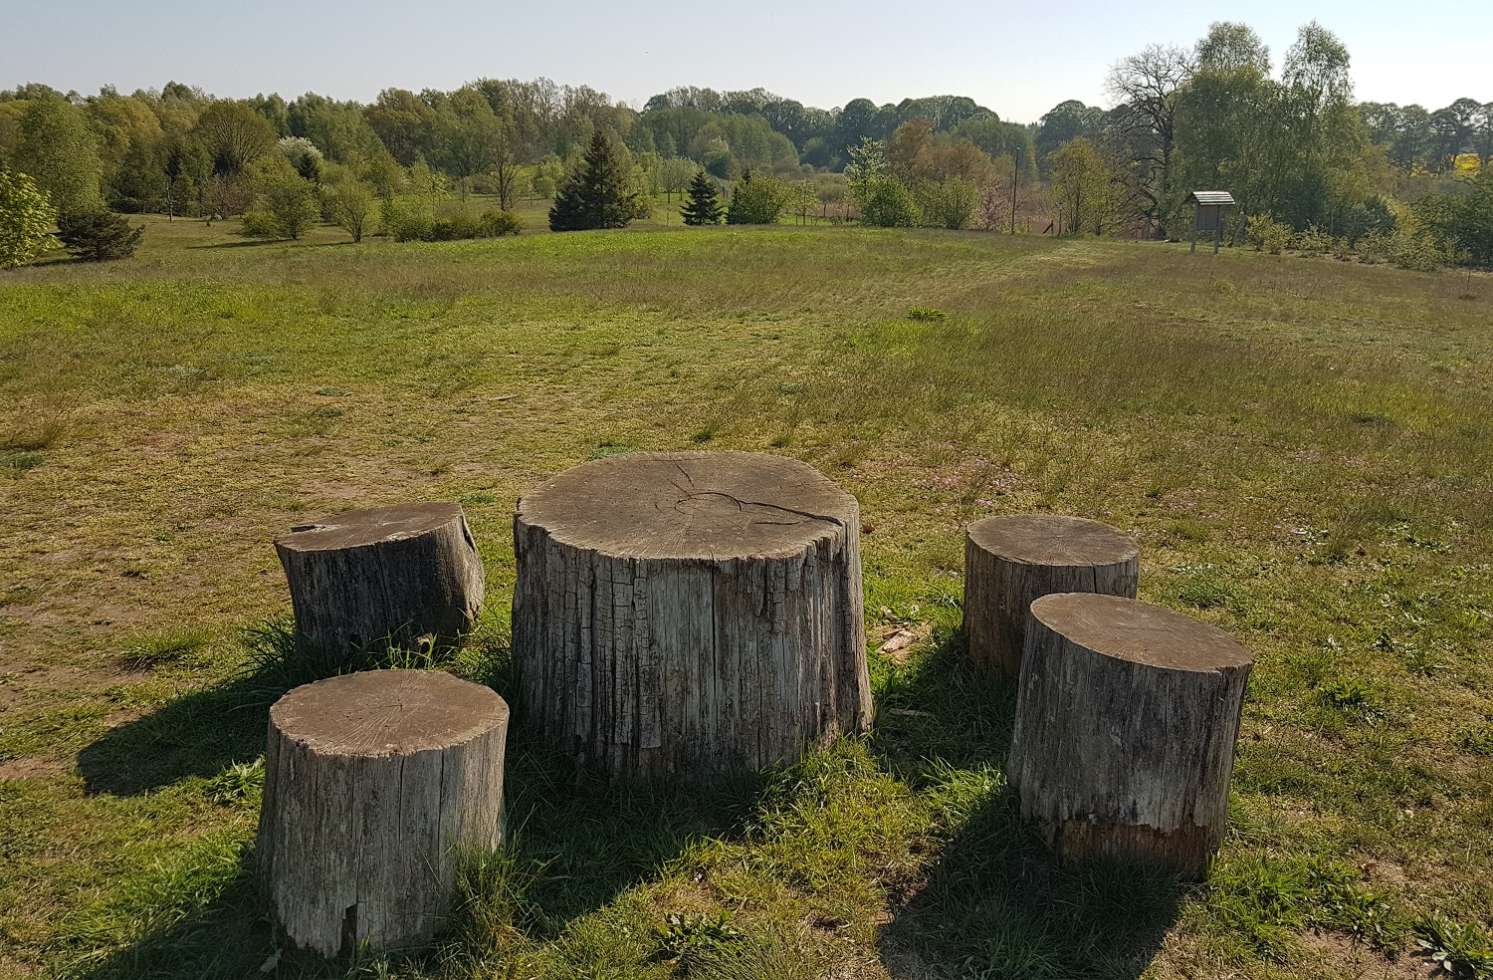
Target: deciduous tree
<point x="233" y="135"/>
<point x="352" y="206"/>
<point x="1148" y="85"/>
<point x="26" y="217"/>
<point x="1081" y="187"/>
<point x="59" y="152"/>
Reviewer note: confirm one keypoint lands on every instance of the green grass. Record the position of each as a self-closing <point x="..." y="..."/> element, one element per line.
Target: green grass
<point x="1303" y="448"/>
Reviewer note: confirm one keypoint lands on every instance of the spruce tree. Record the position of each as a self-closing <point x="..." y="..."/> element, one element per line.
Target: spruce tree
<point x="97" y="236"/>
<point x="704" y="207"/>
<point x="597" y="194"/>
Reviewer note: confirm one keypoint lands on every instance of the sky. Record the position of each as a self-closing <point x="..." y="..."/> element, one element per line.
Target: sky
<point x="1018" y="59"/>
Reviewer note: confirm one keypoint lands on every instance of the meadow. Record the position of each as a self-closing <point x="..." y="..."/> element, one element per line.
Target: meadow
<point x="1302" y="446"/>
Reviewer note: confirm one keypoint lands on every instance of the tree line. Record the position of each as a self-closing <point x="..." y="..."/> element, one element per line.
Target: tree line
<point x="1287" y="139"/>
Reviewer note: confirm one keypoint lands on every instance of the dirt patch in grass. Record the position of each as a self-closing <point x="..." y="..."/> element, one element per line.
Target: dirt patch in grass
<point x="30" y="768"/>
<point x="1337" y="955"/>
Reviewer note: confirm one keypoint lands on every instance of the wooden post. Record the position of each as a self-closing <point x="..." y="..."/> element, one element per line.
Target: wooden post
<point x="394" y="574"/>
<point x="375" y="784"/>
<point x="1015" y="176"/>
<point x="1009" y="561"/>
<point x="690" y="613"/>
<point x="1126" y="720"/>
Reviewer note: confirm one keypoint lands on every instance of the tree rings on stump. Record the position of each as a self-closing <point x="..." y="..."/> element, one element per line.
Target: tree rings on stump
<point x="1009" y="561"/>
<point x="375" y="785"/>
<point x="1126" y="720"/>
<point x="690" y="613"/>
<point x="388" y="574"/>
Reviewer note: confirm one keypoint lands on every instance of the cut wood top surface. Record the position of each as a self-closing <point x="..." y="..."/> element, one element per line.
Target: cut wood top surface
<point x="1044" y="539"/>
<point x="1139" y="632"/>
<point x="690" y="505"/>
<point x="387" y="712"/>
<point x="358" y="528"/>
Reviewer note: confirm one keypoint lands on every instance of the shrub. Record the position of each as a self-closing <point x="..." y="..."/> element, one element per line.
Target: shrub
<point x="410" y="221"/>
<point x="1416" y="248"/>
<point x="495" y="224"/>
<point x="349" y="204"/>
<point x="407" y="219"/>
<point x="1373" y="247"/>
<point x="97" y="236"/>
<point x="889" y="204"/>
<point x="1268" y="235"/>
<point x="26" y="217"/>
<point x="454" y="228"/>
<point x="1463" y="223"/>
<point x="1313" y="241"/>
<point x="1414" y="245"/>
<point x="284" y="207"/>
<point x="951" y="203"/>
<point x="757" y="200"/>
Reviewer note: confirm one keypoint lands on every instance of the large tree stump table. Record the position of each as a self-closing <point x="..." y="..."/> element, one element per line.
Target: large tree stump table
<point x="690" y="613"/>
<point x="1126" y="720"/>
<point x="1010" y="561"/>
<point x="394" y="575"/>
<point x="376" y="783"/>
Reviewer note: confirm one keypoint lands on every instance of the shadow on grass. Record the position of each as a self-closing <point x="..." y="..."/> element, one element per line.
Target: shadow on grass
<point x="215" y="939"/>
<point x="251" y="243"/>
<point x="203" y="732"/>
<point x="573" y="840"/>
<point x="573" y="846"/>
<point x="581" y="842"/>
<point x="577" y="840"/>
<point x="995" y="903"/>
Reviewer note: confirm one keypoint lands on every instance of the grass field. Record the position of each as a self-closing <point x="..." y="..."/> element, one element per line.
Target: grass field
<point x="1303" y="447"/>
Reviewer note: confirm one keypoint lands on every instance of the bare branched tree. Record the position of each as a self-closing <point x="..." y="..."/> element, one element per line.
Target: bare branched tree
<point x="1147" y="85"/>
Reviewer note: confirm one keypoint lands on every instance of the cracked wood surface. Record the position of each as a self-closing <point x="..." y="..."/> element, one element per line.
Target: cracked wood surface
<point x="1010" y="561"/>
<point x="375" y="784"/>
<point x="386" y="574"/>
<point x="690" y="613"/>
<point x="1126" y="721"/>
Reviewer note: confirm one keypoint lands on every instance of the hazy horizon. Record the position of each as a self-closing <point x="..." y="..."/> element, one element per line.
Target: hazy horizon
<point x="1019" y="63"/>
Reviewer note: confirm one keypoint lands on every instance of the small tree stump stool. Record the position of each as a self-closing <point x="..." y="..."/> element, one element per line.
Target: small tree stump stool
<point x="393" y="574"/>
<point x="690" y="613"/>
<point x="374" y="785"/>
<point x="1126" y="720"/>
<point x="1009" y="561"/>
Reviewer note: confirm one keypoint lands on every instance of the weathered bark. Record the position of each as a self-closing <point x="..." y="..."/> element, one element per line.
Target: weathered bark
<point x="389" y="574"/>
<point x="1010" y="561"/>
<point x="690" y="613"/>
<point x="375" y="785"/>
<point x="1126" y="719"/>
